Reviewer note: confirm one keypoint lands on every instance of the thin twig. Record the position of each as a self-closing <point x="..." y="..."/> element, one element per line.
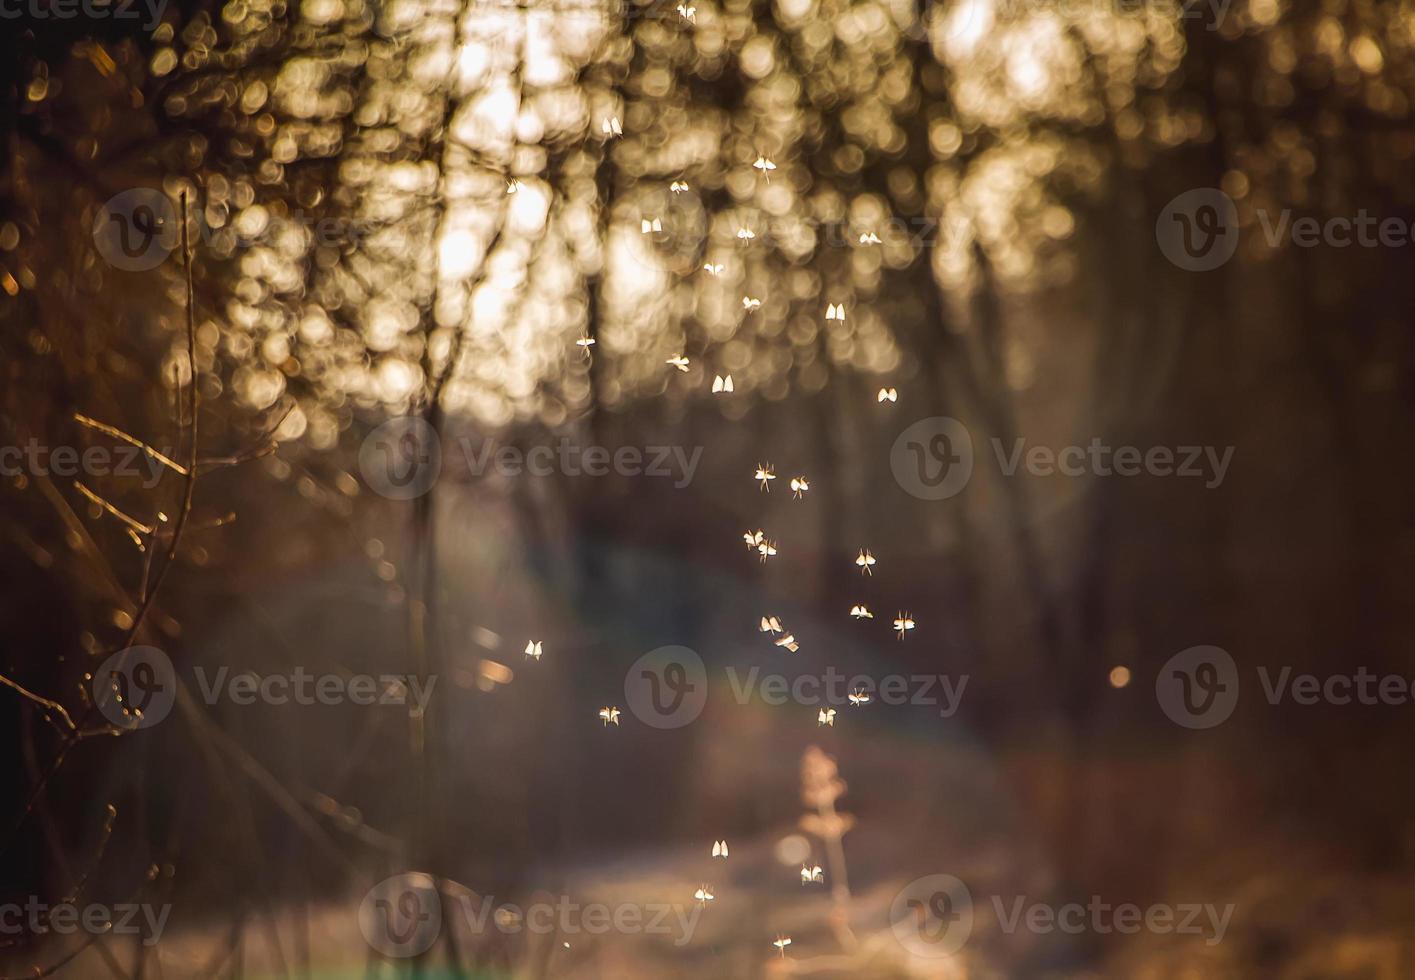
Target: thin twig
<point x="117" y="433"/>
<point x="45" y="702"/>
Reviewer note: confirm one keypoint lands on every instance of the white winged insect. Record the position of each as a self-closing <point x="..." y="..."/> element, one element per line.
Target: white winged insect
<point x="767" y="549"/>
<point x="788" y="641"/>
<point x="887" y="395"/>
<point x="835" y="311"/>
<point x="751" y="304"/>
<point x="711" y="269"/>
<point x="610" y="716"/>
<point x="764" y="476"/>
<point x="679" y="186"/>
<point x="721" y="383"/>
<point x="754" y="539"/>
<point x="903" y="623"/>
<point x="861" y="612"/>
<point x="859" y="696"/>
<point x="514" y="185"/>
<point x="781" y="943"/>
<point x="826" y="717"/>
<point x="585" y="343"/>
<point x="866" y="561"/>
<point x="765" y="166"/>
<point x="769" y="624"/>
<point x="704" y="895"/>
<point x="811" y="873"/>
<point x="647" y="226"/>
<point x="719" y="849"/>
<point x="688" y="12"/>
<point x="533" y="649"/>
<point x="869" y="238"/>
<point x="799" y="485"/>
<point x="678" y="361"/>
<point x="611" y="126"/>
<point x="745" y="234"/>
